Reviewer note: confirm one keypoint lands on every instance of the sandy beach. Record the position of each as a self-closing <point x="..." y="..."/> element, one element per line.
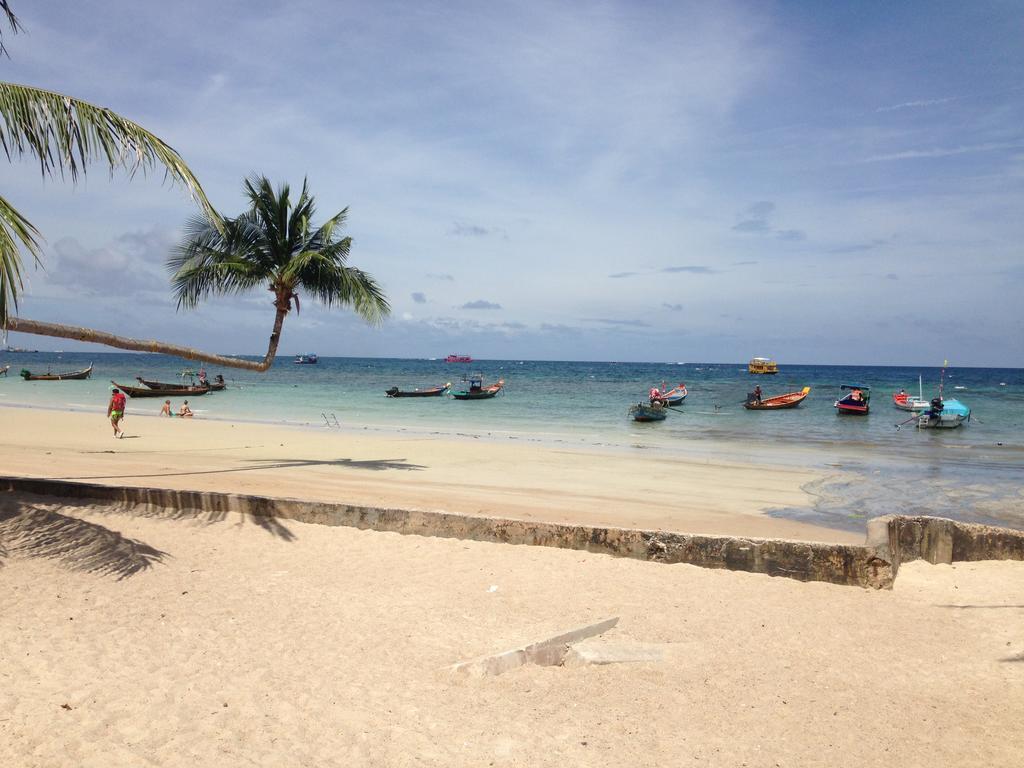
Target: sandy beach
<point x="291" y="644"/>
<point x="694" y="494"/>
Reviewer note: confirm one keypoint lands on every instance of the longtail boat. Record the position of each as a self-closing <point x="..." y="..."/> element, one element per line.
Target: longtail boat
<point x="674" y="396"/>
<point x="644" y="412"/>
<point x="476" y="389"/>
<point x="214" y="386"/>
<point x="147" y="392"/>
<point x="70" y="375"/>
<point x="778" y="402"/>
<point x="856" y="403"/>
<point x="429" y="392"/>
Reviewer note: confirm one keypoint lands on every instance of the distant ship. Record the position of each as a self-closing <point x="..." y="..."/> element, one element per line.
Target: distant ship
<point x="309" y="359"/>
<point x="458" y="359"/>
<point x="20" y="349"/>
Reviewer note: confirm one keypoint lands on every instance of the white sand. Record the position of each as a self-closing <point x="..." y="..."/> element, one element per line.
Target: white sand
<point x="300" y="645"/>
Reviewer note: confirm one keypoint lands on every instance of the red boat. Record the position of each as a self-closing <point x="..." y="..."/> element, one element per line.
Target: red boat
<point x="856" y="402"/>
<point x="458" y="359"/>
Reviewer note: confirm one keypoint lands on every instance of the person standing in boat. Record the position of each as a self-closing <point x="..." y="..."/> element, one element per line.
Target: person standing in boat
<point x="757" y="394"/>
<point x="115" y="410"/>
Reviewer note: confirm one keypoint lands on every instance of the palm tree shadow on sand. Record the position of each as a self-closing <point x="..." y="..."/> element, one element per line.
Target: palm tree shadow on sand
<point x="52" y="531"/>
<point x="376" y="465"/>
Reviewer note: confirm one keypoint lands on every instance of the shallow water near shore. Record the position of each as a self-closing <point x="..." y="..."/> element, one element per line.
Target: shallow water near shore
<point x="972" y="473"/>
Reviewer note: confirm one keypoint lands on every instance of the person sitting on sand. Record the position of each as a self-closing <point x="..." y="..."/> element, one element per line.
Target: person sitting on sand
<point x="185" y="412"/>
<point x="166" y="409"/>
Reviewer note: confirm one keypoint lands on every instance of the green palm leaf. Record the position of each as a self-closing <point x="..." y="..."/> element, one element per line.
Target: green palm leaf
<point x="64" y="135"/>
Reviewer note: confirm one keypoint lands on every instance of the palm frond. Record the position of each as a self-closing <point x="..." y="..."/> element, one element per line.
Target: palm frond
<point x="12" y="21"/>
<point x="14" y="229"/>
<point x="214" y="258"/>
<point x="66" y="134"/>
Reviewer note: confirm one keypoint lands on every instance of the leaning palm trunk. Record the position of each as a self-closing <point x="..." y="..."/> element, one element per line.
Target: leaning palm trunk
<point x="142" y="345"/>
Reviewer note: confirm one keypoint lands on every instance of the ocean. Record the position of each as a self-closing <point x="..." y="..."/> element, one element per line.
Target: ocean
<point x="974" y="472"/>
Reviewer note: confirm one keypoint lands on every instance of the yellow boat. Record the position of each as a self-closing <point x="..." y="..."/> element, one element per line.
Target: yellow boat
<point x="762" y="365"/>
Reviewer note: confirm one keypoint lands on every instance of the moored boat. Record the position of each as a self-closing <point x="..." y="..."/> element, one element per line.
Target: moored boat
<point x="147" y="392"/>
<point x="856" y="403"/>
<point x="216" y="385"/>
<point x="475" y="389"/>
<point x="777" y="402"/>
<point x="69" y="376"/>
<point x="943" y="414"/>
<point x="643" y="412"/>
<point x="907" y="402"/>
<point x="428" y="392"/>
<point x="674" y="396"/>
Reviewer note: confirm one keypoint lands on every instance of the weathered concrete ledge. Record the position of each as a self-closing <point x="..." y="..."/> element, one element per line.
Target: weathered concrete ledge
<point x="891" y="540"/>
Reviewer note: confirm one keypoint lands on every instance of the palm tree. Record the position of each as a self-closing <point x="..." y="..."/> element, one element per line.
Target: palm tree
<point x="273" y="244"/>
<point x="65" y="134"/>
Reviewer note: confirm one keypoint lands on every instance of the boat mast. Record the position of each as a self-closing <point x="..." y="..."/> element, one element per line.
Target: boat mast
<point x="942" y="376"/>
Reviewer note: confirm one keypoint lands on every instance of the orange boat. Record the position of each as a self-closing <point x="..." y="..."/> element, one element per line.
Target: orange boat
<point x="789" y="400"/>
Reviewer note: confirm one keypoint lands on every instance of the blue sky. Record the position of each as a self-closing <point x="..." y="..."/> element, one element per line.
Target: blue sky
<point x="818" y="182"/>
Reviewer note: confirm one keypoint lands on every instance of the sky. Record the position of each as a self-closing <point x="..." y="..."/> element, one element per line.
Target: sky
<point x="833" y="183"/>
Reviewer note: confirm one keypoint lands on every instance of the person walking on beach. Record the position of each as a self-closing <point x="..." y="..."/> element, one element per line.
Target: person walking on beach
<point x="115" y="410"/>
<point x="166" y="410"/>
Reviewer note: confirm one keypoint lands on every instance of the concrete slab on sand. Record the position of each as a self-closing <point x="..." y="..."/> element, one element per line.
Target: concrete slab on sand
<point x="613" y="652"/>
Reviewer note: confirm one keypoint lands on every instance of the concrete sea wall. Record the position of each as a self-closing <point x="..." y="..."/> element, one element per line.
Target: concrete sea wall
<point x="891" y="540"/>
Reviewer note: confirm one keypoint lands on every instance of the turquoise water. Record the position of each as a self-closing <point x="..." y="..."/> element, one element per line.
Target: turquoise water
<point x="974" y="472"/>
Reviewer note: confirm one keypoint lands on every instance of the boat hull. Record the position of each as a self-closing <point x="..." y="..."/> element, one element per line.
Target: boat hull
<point x="484" y="394"/>
<point x="647" y="413"/>
<point x="909" y="403"/>
<point x="147" y="392"/>
<point x="433" y="392"/>
<point x="70" y="376"/>
<point x="778" y="402"/>
<point x="849" y="409"/>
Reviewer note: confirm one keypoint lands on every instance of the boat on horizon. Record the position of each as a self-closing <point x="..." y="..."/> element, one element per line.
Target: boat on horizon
<point x="458" y="359"/>
<point x="310" y="359"/>
<point x="762" y="365"/>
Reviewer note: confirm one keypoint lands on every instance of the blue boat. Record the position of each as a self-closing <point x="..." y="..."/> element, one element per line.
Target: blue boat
<point x="944" y="414"/>
<point x="643" y="412"/>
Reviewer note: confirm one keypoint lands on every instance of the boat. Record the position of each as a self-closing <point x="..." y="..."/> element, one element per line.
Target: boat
<point x="777" y="402"/>
<point x="644" y="412"/>
<point x="762" y="365"/>
<point x="214" y="386"/>
<point x="475" y="389"/>
<point x="906" y="402"/>
<point x="856" y="403"/>
<point x="147" y="392"/>
<point x="310" y="359"/>
<point x="70" y="375"/>
<point x="943" y="414"/>
<point x="458" y="359"/>
<point x="429" y="392"/>
<point x="674" y="396"/>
